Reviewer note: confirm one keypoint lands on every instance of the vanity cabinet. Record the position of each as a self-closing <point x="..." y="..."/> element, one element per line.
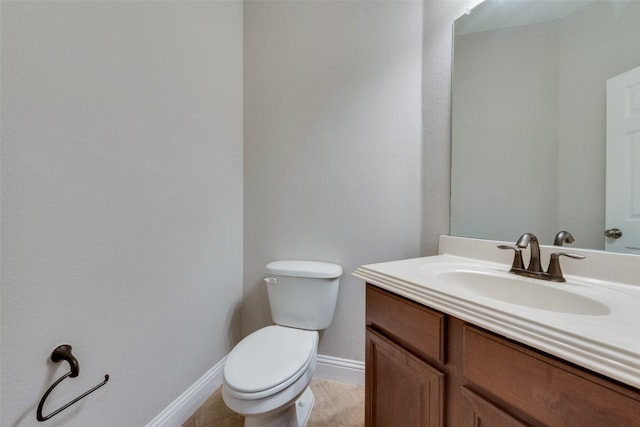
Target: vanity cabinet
<point x="426" y="368"/>
<point x="404" y="378"/>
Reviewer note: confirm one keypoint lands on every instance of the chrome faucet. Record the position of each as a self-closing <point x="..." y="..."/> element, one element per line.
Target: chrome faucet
<point x="534" y="269"/>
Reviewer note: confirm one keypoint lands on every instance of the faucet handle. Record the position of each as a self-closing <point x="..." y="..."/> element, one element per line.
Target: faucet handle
<point x="517" y="263"/>
<point x="554" y="270"/>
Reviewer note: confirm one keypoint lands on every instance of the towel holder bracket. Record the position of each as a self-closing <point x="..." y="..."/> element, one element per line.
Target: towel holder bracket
<point x="60" y="353"/>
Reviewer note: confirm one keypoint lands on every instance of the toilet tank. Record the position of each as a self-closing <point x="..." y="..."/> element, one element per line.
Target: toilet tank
<point x="303" y="294"/>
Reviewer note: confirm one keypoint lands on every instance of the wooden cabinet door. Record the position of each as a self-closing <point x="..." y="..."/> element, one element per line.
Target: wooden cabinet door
<point x="477" y="411"/>
<point x="400" y="388"/>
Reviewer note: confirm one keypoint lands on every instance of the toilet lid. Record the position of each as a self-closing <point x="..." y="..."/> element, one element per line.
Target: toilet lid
<point x="269" y="357"/>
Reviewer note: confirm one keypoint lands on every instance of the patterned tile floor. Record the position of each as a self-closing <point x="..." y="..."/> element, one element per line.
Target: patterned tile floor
<point x="337" y="405"/>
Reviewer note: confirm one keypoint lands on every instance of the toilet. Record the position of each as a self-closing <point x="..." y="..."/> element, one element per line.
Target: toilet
<point x="267" y="375"/>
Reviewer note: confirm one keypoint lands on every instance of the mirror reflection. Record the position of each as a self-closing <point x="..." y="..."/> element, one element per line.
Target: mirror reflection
<point x="535" y="147"/>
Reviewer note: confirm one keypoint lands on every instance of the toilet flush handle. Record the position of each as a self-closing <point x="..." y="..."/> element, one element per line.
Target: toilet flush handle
<point x="270" y="280"/>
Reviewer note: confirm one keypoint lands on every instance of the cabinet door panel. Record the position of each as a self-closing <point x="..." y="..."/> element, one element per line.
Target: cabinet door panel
<point x="477" y="411"/>
<point x="401" y="389"/>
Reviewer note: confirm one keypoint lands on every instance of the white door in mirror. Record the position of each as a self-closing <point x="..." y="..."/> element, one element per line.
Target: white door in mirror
<point x="623" y="162"/>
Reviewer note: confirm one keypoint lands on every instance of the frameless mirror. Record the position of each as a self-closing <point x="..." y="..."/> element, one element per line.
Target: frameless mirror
<point x="535" y="147"/>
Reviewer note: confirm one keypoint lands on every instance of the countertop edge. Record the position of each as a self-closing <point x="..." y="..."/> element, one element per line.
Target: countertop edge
<point x="581" y="351"/>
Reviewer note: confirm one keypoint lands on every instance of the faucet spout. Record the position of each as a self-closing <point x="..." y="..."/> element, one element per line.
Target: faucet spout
<point x="563" y="237"/>
<point x="529" y="239"/>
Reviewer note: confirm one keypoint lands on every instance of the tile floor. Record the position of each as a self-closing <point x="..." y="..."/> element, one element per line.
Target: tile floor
<point x="337" y="405"/>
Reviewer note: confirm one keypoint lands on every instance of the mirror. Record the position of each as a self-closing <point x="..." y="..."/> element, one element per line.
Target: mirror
<point x="529" y="116"/>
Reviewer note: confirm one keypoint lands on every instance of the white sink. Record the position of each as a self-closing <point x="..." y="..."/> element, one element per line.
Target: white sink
<point x="527" y="292"/>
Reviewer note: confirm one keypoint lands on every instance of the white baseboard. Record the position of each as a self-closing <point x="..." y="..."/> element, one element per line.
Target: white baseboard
<point x="186" y="404"/>
<point x="337" y="369"/>
<point x="178" y="411"/>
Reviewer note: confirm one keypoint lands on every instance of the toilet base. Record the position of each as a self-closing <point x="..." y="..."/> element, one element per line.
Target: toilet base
<point x="295" y="415"/>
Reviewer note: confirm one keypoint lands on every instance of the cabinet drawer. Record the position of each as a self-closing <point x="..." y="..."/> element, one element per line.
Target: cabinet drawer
<point x="542" y="388"/>
<point x="415" y="327"/>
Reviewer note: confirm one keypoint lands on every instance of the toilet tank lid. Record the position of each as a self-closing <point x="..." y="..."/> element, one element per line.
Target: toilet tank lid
<point x="310" y="269"/>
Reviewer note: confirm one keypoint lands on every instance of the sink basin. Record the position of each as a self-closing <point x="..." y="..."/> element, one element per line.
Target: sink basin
<point x="521" y="291"/>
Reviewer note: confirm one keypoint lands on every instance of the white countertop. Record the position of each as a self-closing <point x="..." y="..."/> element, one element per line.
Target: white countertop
<point x="607" y="343"/>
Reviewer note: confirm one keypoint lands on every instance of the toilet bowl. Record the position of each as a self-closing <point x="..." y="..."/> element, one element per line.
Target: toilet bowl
<point x="267" y="375"/>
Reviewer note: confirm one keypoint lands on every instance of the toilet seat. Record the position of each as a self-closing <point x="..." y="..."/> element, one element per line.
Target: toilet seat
<point x="268" y="361"/>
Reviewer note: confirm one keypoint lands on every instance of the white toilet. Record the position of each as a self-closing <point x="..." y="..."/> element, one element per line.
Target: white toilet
<point x="267" y="375"/>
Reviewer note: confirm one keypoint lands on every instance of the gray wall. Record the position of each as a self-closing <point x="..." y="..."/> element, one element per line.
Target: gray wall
<point x="505" y="81"/>
<point x="332" y="146"/>
<point x="121" y="202"/>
